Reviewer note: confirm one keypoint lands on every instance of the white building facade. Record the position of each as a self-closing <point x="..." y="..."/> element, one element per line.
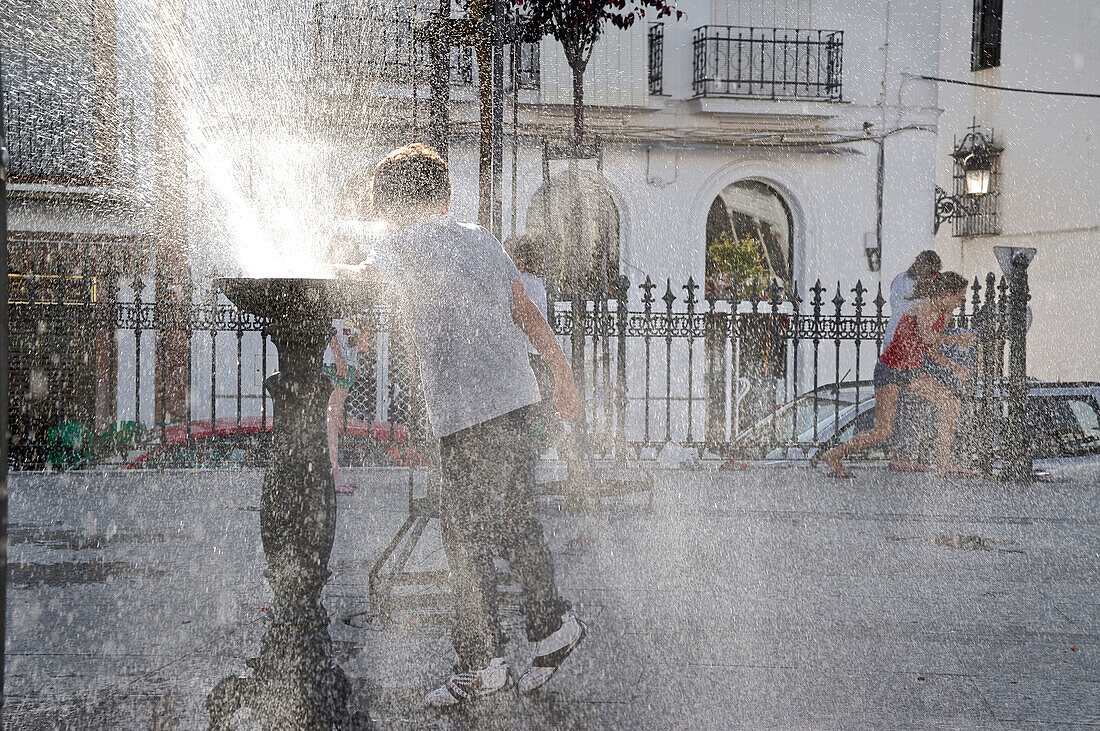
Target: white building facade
<point x="791" y="122"/>
<point x="1044" y="194"/>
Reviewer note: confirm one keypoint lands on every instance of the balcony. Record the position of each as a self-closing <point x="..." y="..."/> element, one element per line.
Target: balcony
<point x="51" y="136"/>
<point x="767" y="63"/>
<point x="374" y="46"/>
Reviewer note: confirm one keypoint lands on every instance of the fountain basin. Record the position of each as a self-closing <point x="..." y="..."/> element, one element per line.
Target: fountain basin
<point x="297" y="299"/>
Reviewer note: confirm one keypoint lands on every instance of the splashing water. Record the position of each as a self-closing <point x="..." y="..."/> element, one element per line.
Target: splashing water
<point x="267" y="144"/>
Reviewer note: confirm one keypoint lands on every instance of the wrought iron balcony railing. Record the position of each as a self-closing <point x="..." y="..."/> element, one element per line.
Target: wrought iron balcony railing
<point x="768" y="63"/>
<point x="51" y="137"/>
<point x="371" y="46"/>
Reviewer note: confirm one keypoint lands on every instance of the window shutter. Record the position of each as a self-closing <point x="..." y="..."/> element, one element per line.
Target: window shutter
<point x="986" y="48"/>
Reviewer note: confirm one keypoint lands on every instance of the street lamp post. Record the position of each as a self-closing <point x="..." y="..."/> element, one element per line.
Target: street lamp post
<point x="4" y="160"/>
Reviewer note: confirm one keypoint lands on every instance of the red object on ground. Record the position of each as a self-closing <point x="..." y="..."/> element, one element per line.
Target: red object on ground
<point x="179" y="433"/>
<point x="734" y="464"/>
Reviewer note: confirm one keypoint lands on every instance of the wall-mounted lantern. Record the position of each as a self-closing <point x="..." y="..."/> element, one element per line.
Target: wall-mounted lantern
<point x="978" y="169"/>
<point x="975" y="169"/>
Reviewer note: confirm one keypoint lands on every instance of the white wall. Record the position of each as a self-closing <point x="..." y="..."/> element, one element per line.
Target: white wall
<point x="615" y="74"/>
<point x="1050" y="168"/>
<point x="763" y="13"/>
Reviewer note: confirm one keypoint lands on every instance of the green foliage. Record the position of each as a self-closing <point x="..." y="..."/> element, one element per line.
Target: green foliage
<point x="738" y="259"/>
<point x="578" y="24"/>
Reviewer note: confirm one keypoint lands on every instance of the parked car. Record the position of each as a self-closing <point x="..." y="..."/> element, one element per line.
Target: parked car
<point x="1064" y="422"/>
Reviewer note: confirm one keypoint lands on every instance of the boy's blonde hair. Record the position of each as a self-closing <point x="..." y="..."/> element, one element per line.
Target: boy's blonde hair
<point x="410" y="176"/>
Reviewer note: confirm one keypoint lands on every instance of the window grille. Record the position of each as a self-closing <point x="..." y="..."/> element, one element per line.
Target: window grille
<point x="656" y="58"/>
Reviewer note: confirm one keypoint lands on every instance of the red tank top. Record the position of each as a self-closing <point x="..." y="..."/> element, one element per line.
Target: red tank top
<point x="906" y="351"/>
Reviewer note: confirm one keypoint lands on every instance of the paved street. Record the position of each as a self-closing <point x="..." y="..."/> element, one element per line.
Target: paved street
<point x="773" y="598"/>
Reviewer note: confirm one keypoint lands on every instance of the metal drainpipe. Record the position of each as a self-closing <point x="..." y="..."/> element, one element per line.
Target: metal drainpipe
<point x="439" y="79"/>
<point x="879" y="187"/>
<point x="498" y="118"/>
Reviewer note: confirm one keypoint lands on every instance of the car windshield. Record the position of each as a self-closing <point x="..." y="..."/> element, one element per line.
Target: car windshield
<point x="795" y="420"/>
<point x="1065" y="426"/>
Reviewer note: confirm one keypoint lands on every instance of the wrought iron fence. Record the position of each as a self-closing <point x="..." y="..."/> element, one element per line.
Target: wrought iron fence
<point x="750" y="371"/>
<point x="656" y="58"/>
<point x="87" y="379"/>
<point x="757" y="372"/>
<point x="768" y="63"/>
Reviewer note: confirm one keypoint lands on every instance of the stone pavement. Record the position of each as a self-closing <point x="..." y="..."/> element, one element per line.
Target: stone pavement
<point x="772" y="598"/>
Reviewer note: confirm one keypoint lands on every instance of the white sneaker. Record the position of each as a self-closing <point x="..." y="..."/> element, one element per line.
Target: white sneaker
<point x="462" y="687"/>
<point x="551" y="652"/>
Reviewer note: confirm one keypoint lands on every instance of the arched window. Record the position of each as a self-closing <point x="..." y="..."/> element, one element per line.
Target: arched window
<point x="551" y="216"/>
<point x="751" y="217"/>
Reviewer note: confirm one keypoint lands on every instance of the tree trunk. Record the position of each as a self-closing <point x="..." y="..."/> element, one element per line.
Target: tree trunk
<point x="171" y="262"/>
<point x="578" y="104"/>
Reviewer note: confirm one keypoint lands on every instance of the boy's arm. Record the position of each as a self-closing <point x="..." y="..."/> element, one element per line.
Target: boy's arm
<point x="538" y="331"/>
<point x="364" y="272"/>
<point x="965" y="340"/>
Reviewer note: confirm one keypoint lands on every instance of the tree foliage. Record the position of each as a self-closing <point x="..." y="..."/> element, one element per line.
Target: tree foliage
<point x="577" y="25"/>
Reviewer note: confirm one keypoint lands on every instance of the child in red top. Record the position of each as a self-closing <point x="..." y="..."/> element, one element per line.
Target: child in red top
<point x="919" y="336"/>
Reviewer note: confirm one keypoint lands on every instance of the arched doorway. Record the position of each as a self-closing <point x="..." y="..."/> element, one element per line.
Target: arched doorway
<point x="552" y="218"/>
<point x="749" y="243"/>
<point x="749" y="233"/>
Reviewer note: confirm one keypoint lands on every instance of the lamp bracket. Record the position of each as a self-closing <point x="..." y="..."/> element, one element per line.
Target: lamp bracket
<point x="949" y="207"/>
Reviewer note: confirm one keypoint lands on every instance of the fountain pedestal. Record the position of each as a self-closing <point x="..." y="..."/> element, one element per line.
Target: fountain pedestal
<point x="295" y="683"/>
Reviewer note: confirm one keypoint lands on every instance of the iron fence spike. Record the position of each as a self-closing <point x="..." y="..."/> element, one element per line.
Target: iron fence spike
<point x="838" y="300"/>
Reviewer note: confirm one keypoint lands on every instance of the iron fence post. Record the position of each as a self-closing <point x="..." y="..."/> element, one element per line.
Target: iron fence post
<point x="715" y="370"/>
<point x="1017" y="446"/>
<point x="648" y="299"/>
<point x="987" y="323"/>
<point x="579" y="429"/>
<point x="622" y="315"/>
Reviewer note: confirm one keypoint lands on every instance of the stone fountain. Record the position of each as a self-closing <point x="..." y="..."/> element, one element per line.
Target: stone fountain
<point x="295" y="683"/>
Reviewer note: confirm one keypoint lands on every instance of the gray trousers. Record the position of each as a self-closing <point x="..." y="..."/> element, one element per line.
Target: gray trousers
<point x="487" y="505"/>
